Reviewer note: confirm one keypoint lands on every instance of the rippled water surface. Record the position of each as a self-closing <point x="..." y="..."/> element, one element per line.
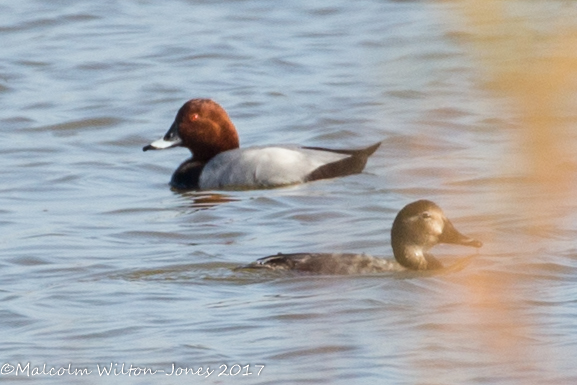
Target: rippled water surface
<point x="102" y="264"/>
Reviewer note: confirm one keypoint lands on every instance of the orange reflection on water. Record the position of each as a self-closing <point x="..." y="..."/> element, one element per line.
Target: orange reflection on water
<point x="527" y="52"/>
<point x="527" y="56"/>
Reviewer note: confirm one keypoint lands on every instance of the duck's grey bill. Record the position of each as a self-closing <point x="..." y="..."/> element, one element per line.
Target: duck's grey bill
<point x="451" y="235"/>
<point x="161" y="144"/>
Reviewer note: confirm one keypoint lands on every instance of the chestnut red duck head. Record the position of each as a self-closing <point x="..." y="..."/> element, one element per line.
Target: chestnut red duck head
<point x="202" y="126"/>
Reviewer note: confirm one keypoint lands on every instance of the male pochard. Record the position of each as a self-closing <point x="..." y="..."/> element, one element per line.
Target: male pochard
<point x="418" y="227"/>
<point x="203" y="126"/>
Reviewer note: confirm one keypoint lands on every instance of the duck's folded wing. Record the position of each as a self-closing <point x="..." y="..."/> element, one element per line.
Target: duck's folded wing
<point x="326" y="263"/>
<point x="353" y="164"/>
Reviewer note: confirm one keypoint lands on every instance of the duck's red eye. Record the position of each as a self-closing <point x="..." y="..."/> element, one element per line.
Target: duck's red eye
<point x="193" y="117"/>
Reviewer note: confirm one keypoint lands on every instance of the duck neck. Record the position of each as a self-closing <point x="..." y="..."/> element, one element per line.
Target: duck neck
<point x="210" y="142"/>
<point x="415" y="257"/>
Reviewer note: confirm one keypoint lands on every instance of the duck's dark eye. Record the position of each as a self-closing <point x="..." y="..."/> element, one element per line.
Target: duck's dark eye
<point x="426" y="215"/>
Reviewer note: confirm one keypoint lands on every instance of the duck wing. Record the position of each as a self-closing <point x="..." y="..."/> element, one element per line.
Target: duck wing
<point x="353" y="164"/>
<point x="326" y="263"/>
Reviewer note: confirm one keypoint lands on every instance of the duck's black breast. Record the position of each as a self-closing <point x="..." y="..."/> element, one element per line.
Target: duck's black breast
<point x="187" y="175"/>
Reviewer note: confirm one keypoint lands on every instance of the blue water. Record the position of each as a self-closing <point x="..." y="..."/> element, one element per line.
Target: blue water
<point x="102" y="264"/>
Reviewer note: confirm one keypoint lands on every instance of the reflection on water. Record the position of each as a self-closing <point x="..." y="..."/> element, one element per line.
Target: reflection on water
<point x="204" y="200"/>
<point x="527" y="55"/>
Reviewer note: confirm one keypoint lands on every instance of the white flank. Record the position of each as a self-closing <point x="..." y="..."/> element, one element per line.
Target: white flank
<point x="263" y="167"/>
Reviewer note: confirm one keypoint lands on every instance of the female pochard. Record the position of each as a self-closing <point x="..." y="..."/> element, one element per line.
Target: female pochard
<point x="417" y="228"/>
